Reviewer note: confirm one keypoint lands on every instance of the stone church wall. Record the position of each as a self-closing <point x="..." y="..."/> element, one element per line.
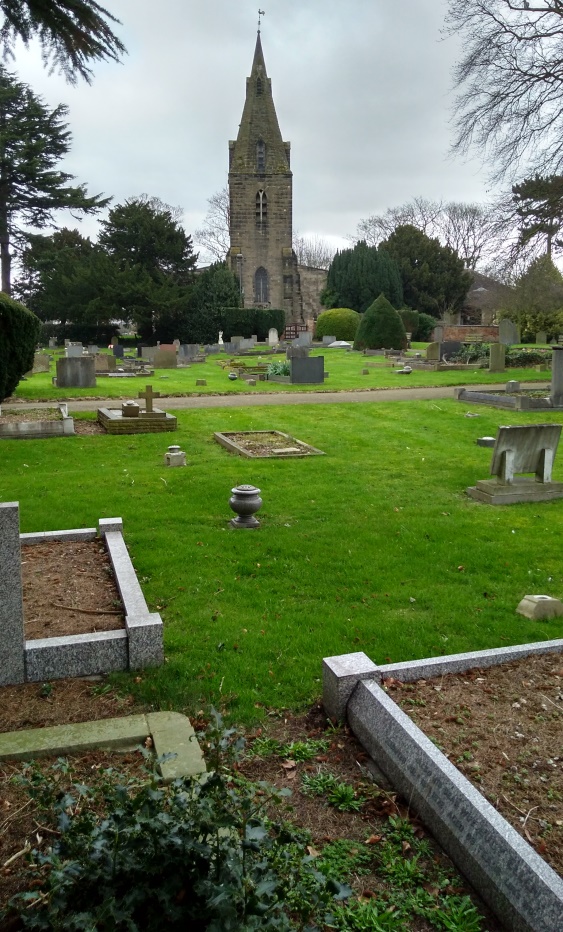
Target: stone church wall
<point x="313" y="282"/>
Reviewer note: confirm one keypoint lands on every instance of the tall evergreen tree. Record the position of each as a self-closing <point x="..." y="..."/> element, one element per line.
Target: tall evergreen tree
<point x="434" y="278"/>
<point x="539" y="205"/>
<point x="72" y="33"/>
<point x="380" y="327"/>
<point x="33" y="139"/>
<point x="356" y="276"/>
<point x="156" y="263"/>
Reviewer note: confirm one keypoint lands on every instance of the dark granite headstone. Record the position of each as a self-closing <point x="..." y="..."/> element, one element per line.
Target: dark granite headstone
<point x="307" y="371"/>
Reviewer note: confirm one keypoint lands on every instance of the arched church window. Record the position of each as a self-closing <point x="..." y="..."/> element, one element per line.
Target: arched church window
<point x="260" y="156"/>
<point x="261" y="207"/>
<point x="261" y="290"/>
<point x="259" y="87"/>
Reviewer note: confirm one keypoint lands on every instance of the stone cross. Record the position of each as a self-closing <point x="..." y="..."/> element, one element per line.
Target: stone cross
<point x="149" y="395"/>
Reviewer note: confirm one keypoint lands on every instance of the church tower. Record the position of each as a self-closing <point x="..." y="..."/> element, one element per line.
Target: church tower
<point x="261" y="196"/>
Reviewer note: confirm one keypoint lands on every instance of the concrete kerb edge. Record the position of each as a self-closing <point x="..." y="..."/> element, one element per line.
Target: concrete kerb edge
<point x="172" y="735"/>
<point x="139" y="645"/>
<point x="420" y="771"/>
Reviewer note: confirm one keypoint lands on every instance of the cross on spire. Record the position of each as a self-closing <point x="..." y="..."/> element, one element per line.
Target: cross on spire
<point x="149" y="395"/>
<point x="261" y="13"/>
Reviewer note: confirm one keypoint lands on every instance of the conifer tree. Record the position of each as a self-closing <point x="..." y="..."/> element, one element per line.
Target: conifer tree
<point x="381" y="327"/>
<point x="356" y="276"/>
<point x="33" y="139"/>
<point x="72" y="33"/>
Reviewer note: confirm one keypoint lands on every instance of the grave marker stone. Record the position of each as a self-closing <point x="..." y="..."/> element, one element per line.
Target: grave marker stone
<point x="433" y="352"/>
<point x="273" y="337"/>
<point x="74" y="350"/>
<point x="165" y="358"/>
<point x="522" y="449"/>
<point x="41" y="362"/>
<point x="12" y="669"/>
<point x="497" y="357"/>
<point x="556" y="393"/>
<point x="78" y="372"/>
<point x="307" y="371"/>
<point x="328" y="340"/>
<point x="508" y="332"/>
<point x="541" y="336"/>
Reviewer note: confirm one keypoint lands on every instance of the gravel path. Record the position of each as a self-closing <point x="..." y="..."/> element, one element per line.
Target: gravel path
<point x="281" y="398"/>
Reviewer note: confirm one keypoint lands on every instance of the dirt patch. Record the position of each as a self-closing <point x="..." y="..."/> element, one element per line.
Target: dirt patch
<point x="34" y="414"/>
<point x="23" y="823"/>
<point x="69" y="588"/>
<point x="87" y="427"/>
<point x="503" y="728"/>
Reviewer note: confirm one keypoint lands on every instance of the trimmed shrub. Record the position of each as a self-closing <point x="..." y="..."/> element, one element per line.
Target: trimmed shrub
<point x="19" y="332"/>
<point x="340" y="322"/>
<point x="426" y="324"/>
<point x="381" y="327"/>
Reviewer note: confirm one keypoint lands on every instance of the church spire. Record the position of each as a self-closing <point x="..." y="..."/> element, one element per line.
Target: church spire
<point x="259" y="145"/>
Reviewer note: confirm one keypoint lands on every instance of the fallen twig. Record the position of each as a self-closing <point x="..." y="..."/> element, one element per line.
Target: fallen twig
<point x="559" y="709"/>
<point x="14" y="814"/>
<point x="89" y="611"/>
<point x="528" y="816"/>
<point x="17" y="855"/>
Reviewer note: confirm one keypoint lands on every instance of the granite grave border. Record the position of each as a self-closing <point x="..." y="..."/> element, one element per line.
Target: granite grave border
<point x="225" y="439"/>
<point x="136" y="646"/>
<point x="38" y="430"/>
<point x="524" y="892"/>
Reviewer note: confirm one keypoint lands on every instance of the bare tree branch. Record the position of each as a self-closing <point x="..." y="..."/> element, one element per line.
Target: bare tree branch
<point x="213" y="236"/>
<point x="510" y="81"/>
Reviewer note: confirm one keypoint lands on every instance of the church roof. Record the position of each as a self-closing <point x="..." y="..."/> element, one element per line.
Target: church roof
<point x="259" y="124"/>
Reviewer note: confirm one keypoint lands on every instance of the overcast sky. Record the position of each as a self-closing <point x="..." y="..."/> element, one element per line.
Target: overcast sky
<point x="362" y="91"/>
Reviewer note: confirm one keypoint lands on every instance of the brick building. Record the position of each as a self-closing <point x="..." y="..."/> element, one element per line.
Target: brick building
<point x="261" y="200"/>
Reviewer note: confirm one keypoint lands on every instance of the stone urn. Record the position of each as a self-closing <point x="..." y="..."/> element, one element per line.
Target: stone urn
<point x="245" y="502"/>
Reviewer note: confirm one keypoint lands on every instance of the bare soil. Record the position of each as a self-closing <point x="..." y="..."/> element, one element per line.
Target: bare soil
<point x="34" y="414"/>
<point x="269" y="443"/>
<point x="69" y="588"/>
<point x="503" y="728"/>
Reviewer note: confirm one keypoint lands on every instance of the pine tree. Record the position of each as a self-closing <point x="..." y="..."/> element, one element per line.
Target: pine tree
<point x="381" y="327"/>
<point x="33" y="139"/>
<point x="539" y="205"/>
<point x="72" y="33"/>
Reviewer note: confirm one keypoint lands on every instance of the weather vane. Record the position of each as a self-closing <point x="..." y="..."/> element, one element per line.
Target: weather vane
<point x="261" y="13"/>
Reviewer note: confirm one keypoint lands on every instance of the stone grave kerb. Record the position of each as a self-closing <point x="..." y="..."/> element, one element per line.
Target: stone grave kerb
<point x="526" y="449"/>
<point x="12" y="664"/>
<point x="148" y="396"/>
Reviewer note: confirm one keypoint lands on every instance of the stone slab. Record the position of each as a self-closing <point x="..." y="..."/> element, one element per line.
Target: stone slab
<point x="145" y="640"/>
<point x="519" y="491"/>
<point x="523" y="891"/>
<point x="46" y="537"/>
<point x="12" y="668"/>
<point x="75" y="655"/>
<point x="64" y="739"/>
<point x="341" y="675"/>
<point x="173" y="733"/>
<point x="112" y="421"/>
<point x="126" y="578"/>
<point x="540" y="607"/>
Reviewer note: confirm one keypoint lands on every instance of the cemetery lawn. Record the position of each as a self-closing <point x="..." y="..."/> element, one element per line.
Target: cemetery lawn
<point x="345" y="374"/>
<point x="374" y="547"/>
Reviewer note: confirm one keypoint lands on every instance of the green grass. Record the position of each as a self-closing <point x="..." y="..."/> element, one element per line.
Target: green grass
<point x="345" y="372"/>
<point x="374" y="547"/>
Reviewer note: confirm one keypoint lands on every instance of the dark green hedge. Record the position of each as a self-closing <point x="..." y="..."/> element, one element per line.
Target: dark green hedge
<point x="77" y="333"/>
<point x="19" y="332"/>
<point x="244" y="321"/>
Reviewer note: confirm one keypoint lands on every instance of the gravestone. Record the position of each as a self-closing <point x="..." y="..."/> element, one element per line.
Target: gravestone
<point x="556" y="393"/>
<point x="236" y="341"/>
<point x="273" y="337"/>
<point x="176" y="343"/>
<point x="449" y="348"/>
<point x="52" y="342"/>
<point x="541" y="336"/>
<point x="508" y="332"/>
<point x="525" y="449"/>
<point x="165" y="358"/>
<point x="104" y="363"/>
<point x="148" y="353"/>
<point x="118" y="351"/>
<point x="76" y="373"/>
<point x="307" y="370"/>
<point x="93" y="349"/>
<point x="12" y="669"/>
<point x="74" y="350"/>
<point x="438" y="334"/>
<point x="297" y="352"/>
<point x="41" y="362"/>
<point x="328" y="340"/>
<point x="497" y="357"/>
<point x="433" y="352"/>
<point x="305" y="338"/>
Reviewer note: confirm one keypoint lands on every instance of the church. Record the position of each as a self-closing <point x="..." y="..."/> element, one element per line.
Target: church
<point x="261" y="203"/>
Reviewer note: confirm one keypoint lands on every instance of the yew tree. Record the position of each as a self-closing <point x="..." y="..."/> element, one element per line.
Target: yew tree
<point x="33" y="140"/>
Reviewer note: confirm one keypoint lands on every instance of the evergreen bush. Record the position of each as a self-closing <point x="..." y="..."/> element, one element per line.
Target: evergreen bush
<point x="19" y="333"/>
<point x="426" y="324"/>
<point x="381" y="327"/>
<point x="340" y="322"/>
